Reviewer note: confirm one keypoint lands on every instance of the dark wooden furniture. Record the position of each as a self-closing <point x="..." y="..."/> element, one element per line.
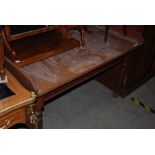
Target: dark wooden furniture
<point x="56" y="74"/>
<point x="17" y="108"/>
<point x="16" y="103"/>
<point x="107" y="28"/>
<point x="27" y="44"/>
<point x="81" y="29"/>
<point x="138" y="66"/>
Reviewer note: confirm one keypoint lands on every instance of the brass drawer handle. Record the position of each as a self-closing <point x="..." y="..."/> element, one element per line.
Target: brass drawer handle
<point x="7" y="122"/>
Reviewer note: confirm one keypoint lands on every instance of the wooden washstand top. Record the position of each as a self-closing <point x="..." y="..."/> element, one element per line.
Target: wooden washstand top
<point x="54" y="72"/>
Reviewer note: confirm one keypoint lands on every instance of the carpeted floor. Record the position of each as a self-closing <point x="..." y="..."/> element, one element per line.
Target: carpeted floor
<point x="92" y="106"/>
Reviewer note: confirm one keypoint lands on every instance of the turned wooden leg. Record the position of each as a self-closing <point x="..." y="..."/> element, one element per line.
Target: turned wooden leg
<point x="33" y="118"/>
<point x="86" y="28"/>
<point x="38" y="111"/>
<point x="34" y="114"/>
<point x="82" y="33"/>
<point x="2" y="68"/>
<point x="106" y="33"/>
<point x="125" y="30"/>
<point x="7" y="44"/>
<point x="39" y="116"/>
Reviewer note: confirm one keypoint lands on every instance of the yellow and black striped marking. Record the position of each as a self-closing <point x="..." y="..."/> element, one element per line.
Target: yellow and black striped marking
<point x="145" y="106"/>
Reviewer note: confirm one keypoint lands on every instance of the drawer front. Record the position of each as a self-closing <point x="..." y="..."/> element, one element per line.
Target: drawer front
<point x="12" y="118"/>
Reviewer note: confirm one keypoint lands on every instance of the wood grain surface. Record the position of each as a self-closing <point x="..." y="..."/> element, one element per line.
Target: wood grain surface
<point x="21" y="98"/>
<point x="55" y="71"/>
